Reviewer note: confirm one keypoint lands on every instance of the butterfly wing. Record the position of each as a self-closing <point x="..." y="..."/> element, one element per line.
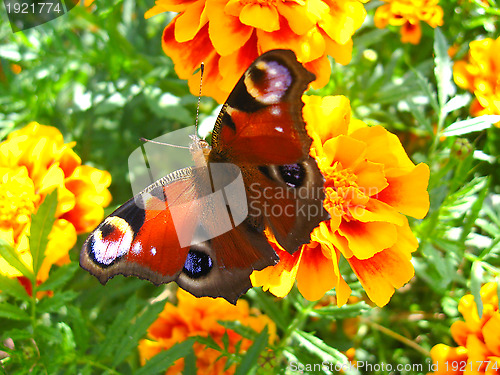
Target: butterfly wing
<point x="260" y="128"/>
<point x="146" y="237"/>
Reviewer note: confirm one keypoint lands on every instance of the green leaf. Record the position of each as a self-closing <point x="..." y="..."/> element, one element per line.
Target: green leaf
<point x="117" y="330"/>
<point x="12" y="312"/>
<point x="54" y="303"/>
<point x="268" y="305"/>
<point x="249" y="363"/>
<point x="476" y="280"/>
<point x="8" y="253"/>
<point x="316" y="346"/>
<point x="239" y="328"/>
<point x="443" y="69"/>
<point x="162" y="361"/>
<point x="13" y="288"/>
<point x="41" y="225"/>
<point x="475" y="124"/>
<point x="59" y="277"/>
<point x="189" y="363"/>
<point x="346" y="311"/>
<point x="136" y="330"/>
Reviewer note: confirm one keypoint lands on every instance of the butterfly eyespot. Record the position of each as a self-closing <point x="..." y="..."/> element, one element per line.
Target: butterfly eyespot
<point x="110" y="241"/>
<point x="198" y="264"/>
<point x="267" y="82"/>
<point x="293" y="174"/>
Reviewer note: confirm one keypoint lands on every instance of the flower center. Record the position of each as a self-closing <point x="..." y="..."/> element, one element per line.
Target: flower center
<point x="341" y="191"/>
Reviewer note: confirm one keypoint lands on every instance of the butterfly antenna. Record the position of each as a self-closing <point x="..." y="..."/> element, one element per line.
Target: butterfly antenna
<point x="162" y="143"/>
<point x="202" y="69"/>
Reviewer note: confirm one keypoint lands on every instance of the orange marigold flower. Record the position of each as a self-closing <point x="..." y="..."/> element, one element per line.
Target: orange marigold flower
<point x="408" y="14"/>
<point x="480" y="75"/>
<point x="33" y="162"/>
<point x="478" y="338"/>
<point x="200" y="317"/>
<point x="228" y="35"/>
<point x="371" y="185"/>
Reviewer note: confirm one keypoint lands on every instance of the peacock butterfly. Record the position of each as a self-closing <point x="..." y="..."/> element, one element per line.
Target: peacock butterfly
<point x="260" y="131"/>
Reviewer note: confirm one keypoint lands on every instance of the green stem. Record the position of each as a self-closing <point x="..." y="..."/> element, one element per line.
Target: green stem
<point x="296" y="324"/>
<point x="399" y="338"/>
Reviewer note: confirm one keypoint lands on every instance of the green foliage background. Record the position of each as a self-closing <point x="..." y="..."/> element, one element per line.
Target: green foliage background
<point x="101" y="77"/>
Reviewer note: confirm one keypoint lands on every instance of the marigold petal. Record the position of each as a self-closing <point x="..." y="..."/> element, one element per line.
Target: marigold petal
<point x="441" y="354"/>
<point x="370" y="178"/>
<point x="298" y="18"/>
<point x="314" y="276"/>
<point x="234" y="65"/>
<point x="383" y="147"/>
<point x="227" y="33"/>
<point x="326" y="117"/>
<point x="489" y="293"/>
<point x="467" y="307"/>
<point x="459" y="331"/>
<point x="189" y="22"/>
<point x="346" y="150"/>
<point x="279" y="279"/>
<point x="322" y="70"/>
<point x="408" y="193"/>
<point x="307" y="47"/>
<point x="341" y="52"/>
<point x="411" y="33"/>
<point x="367" y="239"/>
<point x="341" y="25"/>
<point x="261" y="16"/>
<point x="375" y="210"/>
<point x="382" y="273"/>
<point x="477" y="349"/>
<point x="491" y="334"/>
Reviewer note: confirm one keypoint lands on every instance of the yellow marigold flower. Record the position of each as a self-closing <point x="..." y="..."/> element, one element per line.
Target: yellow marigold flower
<point x="408" y="14"/>
<point x="227" y="35"/>
<point x="478" y="338"/>
<point x="480" y="75"/>
<point x="33" y="162"/>
<point x="200" y="317"/>
<point x="371" y="185"/>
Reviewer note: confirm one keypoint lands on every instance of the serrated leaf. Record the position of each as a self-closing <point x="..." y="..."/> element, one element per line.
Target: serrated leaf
<point x="117" y="330"/>
<point x="136" y="330"/>
<point x="162" y="361"/>
<point x="41" y="225"/>
<point x="475" y="124"/>
<point x="443" y="69"/>
<point x="9" y="311"/>
<point x="8" y="253"/>
<point x="13" y="288"/>
<point x="321" y="350"/>
<point x="249" y="363"/>
<point x="54" y="303"/>
<point x="209" y="342"/>
<point x="239" y="328"/>
<point x="59" y="277"/>
<point x="457" y="102"/>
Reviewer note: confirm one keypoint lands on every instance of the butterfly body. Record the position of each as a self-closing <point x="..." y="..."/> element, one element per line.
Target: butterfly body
<point x="193" y="226"/>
